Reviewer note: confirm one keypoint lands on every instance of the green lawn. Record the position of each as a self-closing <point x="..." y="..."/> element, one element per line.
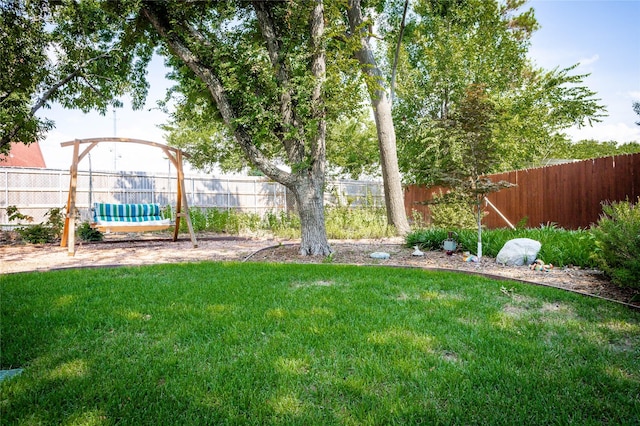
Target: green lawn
<point x="230" y="343"/>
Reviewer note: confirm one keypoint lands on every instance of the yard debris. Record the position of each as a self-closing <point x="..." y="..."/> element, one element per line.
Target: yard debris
<point x="468" y="257"/>
<point x="539" y="265"/>
<point x="7" y="374"/>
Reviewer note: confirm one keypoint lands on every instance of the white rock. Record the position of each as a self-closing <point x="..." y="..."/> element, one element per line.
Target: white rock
<point x="518" y="252"/>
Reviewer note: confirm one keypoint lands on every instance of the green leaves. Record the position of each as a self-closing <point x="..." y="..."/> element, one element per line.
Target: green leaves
<point x="352" y="145"/>
<point x="451" y="46"/>
<point x="73" y="53"/>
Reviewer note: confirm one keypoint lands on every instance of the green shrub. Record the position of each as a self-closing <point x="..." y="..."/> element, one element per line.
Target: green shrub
<point x="37" y="234"/>
<point x="198" y="220"/>
<point x="341" y="222"/>
<point x="217" y="220"/>
<point x="617" y="240"/>
<point x="55" y="220"/>
<point x="283" y="224"/>
<point x="220" y="221"/>
<point x="87" y="233"/>
<point x="451" y="214"/>
<point x="41" y="233"/>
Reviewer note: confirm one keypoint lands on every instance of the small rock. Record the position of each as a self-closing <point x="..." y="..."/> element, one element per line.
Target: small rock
<point x="380" y="255"/>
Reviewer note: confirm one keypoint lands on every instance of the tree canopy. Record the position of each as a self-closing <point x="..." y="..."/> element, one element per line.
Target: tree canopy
<point x="449" y="46"/>
<point x="589" y="148"/>
<point x="69" y="52"/>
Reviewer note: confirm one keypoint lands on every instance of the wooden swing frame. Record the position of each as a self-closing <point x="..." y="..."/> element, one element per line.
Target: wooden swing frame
<point x="182" y="208"/>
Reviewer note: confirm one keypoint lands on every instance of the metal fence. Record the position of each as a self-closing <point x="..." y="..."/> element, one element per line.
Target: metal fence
<point x="569" y="195"/>
<point x="35" y="191"/>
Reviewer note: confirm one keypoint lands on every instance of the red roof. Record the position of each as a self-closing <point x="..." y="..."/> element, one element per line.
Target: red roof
<point x="22" y="155"/>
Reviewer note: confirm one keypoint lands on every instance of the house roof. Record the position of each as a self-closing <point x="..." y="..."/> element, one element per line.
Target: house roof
<point x="22" y="155"/>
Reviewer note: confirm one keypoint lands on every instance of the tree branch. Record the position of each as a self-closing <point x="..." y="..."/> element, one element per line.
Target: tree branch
<point x="294" y="148"/>
<point x="394" y="69"/>
<point x="169" y="33"/>
<point x="91" y="86"/>
<point x="318" y="69"/>
<point x="8" y="138"/>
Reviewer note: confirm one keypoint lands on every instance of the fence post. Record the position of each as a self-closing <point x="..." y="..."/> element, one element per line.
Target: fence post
<point x="6" y="188"/>
<point x="255" y="195"/>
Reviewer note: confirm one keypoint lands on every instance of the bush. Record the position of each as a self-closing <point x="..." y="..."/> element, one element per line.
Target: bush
<point x="341" y="222"/>
<point x="617" y="240"/>
<point x="37" y="234"/>
<point x="87" y="233"/>
<point x="451" y="214"/>
<point x="41" y="233"/>
<point x="283" y="224"/>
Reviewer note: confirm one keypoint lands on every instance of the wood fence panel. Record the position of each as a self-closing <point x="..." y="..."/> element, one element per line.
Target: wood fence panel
<point x="568" y="195"/>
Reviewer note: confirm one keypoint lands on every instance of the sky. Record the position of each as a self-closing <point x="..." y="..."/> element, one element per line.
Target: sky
<point x="601" y="35"/>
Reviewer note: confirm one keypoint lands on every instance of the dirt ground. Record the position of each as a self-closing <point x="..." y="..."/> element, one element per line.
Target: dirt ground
<point x="134" y="250"/>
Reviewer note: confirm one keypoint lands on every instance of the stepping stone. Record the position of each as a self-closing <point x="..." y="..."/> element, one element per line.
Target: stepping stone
<point x="7" y="374"/>
<point x="380" y="255"/>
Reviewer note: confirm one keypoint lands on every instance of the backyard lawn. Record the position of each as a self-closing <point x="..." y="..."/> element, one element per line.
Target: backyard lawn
<point x="240" y="343"/>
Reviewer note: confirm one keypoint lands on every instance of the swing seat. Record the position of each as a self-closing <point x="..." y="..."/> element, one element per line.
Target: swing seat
<point x="128" y="218"/>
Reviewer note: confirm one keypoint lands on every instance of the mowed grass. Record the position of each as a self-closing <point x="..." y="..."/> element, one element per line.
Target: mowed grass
<point x="229" y="343"/>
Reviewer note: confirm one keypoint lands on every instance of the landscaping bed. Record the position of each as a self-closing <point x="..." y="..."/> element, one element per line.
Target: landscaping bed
<point x="153" y="249"/>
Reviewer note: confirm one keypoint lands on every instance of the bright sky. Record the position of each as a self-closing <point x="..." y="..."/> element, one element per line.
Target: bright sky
<point x="602" y="35"/>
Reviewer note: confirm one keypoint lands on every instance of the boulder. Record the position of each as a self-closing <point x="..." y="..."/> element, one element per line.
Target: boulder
<point x="518" y="252"/>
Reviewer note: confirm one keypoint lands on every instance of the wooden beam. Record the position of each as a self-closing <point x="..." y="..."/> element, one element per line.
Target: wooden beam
<point x="181" y="189"/>
<point x="69" y="232"/>
<point x="126" y="140"/>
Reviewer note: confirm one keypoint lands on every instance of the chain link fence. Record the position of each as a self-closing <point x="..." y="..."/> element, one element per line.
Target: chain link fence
<point x="35" y="191"/>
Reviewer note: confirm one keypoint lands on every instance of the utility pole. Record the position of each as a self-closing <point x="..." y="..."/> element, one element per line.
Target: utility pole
<point x="115" y="144"/>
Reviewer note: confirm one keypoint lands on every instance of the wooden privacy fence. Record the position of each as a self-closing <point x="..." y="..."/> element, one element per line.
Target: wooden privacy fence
<point x="569" y="195"/>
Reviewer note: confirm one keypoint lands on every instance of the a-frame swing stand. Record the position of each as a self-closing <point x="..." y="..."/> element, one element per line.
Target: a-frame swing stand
<point x="174" y="155"/>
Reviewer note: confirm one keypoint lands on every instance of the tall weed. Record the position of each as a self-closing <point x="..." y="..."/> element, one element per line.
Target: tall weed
<point x="352" y="223"/>
<point x="341" y="222"/>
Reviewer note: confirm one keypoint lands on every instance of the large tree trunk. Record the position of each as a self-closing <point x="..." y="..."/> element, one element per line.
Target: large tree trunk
<point x="309" y="195"/>
<point x="393" y="193"/>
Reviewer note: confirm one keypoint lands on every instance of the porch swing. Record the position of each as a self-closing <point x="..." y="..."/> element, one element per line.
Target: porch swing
<point x="110" y="217"/>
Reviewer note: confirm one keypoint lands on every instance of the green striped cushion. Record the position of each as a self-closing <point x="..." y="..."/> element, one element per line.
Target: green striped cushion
<point x="105" y="212"/>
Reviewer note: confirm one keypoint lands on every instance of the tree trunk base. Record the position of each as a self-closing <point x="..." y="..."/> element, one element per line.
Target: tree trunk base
<point x="315" y="250"/>
<point x="309" y="200"/>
